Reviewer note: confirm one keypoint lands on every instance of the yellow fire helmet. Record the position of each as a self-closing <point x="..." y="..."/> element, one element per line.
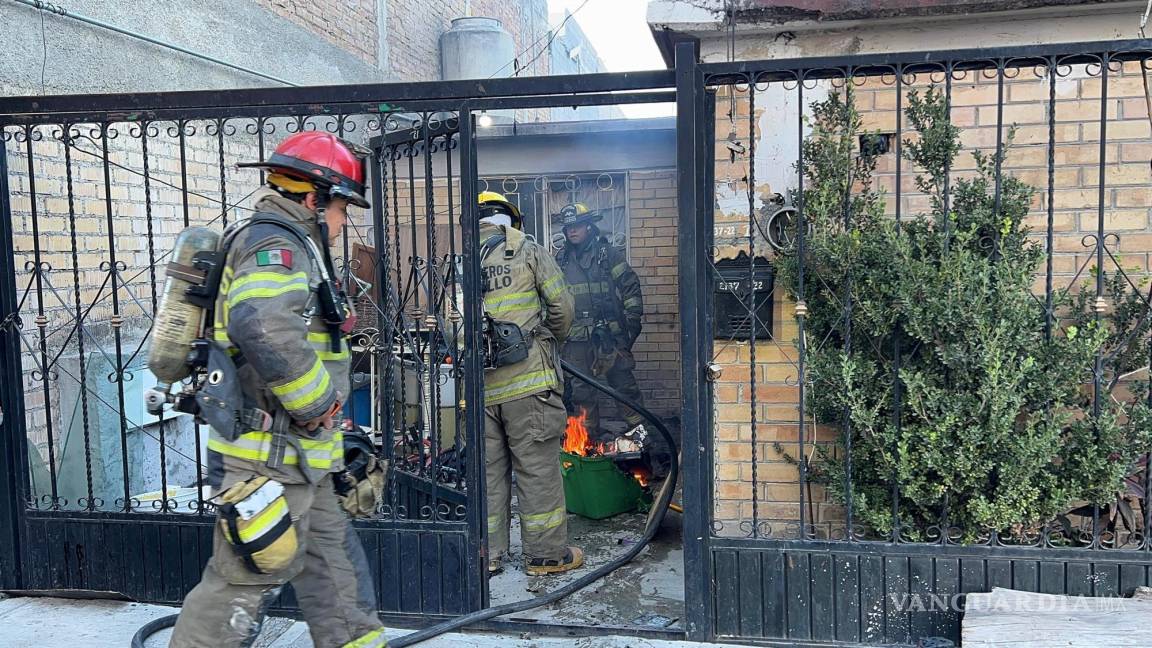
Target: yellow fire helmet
<point x="577" y="213"/>
<point x="492" y="203"/>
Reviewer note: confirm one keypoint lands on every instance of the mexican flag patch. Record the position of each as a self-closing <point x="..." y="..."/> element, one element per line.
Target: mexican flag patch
<point x="279" y="257"/>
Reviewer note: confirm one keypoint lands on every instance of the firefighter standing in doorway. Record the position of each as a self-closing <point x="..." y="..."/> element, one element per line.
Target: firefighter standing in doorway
<point x="526" y="299"/>
<point x="609" y="310"/>
<point x="281" y="318"/>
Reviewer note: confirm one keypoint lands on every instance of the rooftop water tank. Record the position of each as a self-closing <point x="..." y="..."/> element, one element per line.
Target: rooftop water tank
<point x="476" y="48"/>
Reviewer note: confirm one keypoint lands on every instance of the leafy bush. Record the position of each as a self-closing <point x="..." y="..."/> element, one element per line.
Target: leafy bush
<point x="925" y="337"/>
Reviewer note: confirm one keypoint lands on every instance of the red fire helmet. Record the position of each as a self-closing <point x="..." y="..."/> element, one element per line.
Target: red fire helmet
<point x="323" y="160"/>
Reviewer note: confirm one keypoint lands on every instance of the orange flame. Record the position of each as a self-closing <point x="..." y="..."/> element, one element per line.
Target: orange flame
<point x="576" y="435"/>
<point x="641" y="477"/>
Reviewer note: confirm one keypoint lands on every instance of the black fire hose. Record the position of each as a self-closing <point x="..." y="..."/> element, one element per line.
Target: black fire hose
<point x="661" y="507"/>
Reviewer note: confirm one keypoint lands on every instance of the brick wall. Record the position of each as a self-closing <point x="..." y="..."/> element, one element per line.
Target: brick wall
<point x="754" y="478"/>
<point x="413" y="29"/>
<point x="350" y="24"/>
<point x="653" y="241"/>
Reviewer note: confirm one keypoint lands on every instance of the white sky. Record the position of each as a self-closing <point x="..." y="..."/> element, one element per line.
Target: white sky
<point x="619" y="32"/>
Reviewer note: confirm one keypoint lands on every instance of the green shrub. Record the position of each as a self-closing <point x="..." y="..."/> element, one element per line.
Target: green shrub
<point x="925" y="337"/>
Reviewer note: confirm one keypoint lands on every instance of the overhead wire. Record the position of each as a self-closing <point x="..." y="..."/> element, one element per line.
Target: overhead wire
<point x="44" y="60"/>
<point x="60" y="11"/>
<point x="550" y="34"/>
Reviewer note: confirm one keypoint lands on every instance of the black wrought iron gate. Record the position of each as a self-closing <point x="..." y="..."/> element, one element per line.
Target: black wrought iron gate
<point x="114" y="500"/>
<point x="782" y="554"/>
<point x="95" y="494"/>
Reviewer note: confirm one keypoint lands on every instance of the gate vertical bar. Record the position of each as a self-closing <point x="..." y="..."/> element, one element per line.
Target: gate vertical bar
<point x="13" y="435"/>
<point x="696" y="438"/>
<point x="477" y="559"/>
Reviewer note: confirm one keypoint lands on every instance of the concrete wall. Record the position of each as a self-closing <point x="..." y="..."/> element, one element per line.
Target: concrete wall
<point x="82" y="58"/>
<point x="782" y="38"/>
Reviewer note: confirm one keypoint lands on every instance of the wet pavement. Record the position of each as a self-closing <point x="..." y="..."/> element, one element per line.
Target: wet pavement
<point x="648" y="591"/>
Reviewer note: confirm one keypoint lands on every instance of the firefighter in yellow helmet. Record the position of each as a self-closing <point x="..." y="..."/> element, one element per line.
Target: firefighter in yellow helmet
<point x="280" y="322"/>
<point x="526" y="299"/>
<point x="609" y="310"/>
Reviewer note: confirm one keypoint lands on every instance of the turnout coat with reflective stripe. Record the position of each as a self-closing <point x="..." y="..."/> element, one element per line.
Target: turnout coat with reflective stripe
<point x="522" y="285"/>
<point x="288" y="360"/>
<point x="604" y="287"/>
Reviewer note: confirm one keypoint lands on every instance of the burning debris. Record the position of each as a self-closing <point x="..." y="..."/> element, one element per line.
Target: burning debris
<point x="576" y="439"/>
<point x="629" y="451"/>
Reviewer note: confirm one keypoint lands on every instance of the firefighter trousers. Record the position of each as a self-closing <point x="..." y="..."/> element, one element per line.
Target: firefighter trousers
<point x="619" y="376"/>
<point x="226" y="609"/>
<point x="524" y="435"/>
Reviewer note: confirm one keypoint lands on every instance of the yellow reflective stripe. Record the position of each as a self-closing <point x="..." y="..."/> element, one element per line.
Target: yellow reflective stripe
<point x="256" y="446"/>
<point x="221" y="335"/>
<point x="264" y="522"/>
<point x="322" y="345"/>
<point x="619" y="269"/>
<point x="632" y="301"/>
<point x="264" y="293"/>
<point x="253" y="446"/>
<point x="313" y="444"/>
<point x="374" y="639"/>
<point x="551" y="287"/>
<point x="511" y="302"/>
<point x="272" y="278"/>
<point x="336" y="451"/>
<point x="319" y="463"/>
<point x="523" y="384"/>
<point x="259" y="285"/>
<point x="598" y="288"/>
<point x="305" y="390"/>
<point x="538" y="522"/>
<point x="329" y="356"/>
<point x="225" y="285"/>
<point x="493" y="523"/>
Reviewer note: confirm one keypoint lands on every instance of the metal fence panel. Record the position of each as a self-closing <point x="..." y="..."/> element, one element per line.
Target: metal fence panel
<point x="1067" y="113"/>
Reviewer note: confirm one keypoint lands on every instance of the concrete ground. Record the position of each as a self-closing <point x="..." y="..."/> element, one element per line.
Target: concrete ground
<point x="648" y="591"/>
<point x="67" y="623"/>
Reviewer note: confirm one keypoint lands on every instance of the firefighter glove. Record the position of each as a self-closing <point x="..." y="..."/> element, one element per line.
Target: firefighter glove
<point x="362" y="491"/>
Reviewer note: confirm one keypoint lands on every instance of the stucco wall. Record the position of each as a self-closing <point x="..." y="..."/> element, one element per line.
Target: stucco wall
<point x="805" y="37"/>
<point x="82" y="58"/>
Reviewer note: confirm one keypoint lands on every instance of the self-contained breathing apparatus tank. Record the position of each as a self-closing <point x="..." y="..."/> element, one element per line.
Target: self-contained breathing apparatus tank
<point x="180" y="318"/>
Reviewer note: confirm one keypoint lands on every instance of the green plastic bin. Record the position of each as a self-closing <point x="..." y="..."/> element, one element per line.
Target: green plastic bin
<point x="595" y="488"/>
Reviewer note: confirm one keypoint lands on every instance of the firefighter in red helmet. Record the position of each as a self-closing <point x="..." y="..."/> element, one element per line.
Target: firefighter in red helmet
<point x="282" y="319"/>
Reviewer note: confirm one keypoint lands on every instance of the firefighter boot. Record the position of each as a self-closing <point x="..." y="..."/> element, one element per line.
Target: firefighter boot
<point x="573" y="558"/>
